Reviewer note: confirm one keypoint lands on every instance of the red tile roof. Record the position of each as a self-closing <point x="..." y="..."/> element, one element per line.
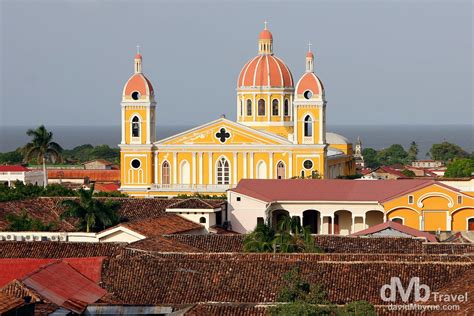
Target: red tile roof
<point x="93" y="174"/>
<point x="16" y="168"/>
<point x="326" y="190"/>
<point x="390" y="171"/>
<point x="398" y="227"/>
<point x="197" y="203"/>
<point x="9" y="303"/>
<point x="166" y="224"/>
<point x="162" y="244"/>
<point x="106" y="187"/>
<point x="61" y="284"/>
<point x="17" y="268"/>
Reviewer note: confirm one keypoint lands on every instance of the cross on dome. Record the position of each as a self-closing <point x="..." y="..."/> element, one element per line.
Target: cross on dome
<point x="138" y="49"/>
<point x="265" y="22"/>
<point x="309" y="46"/>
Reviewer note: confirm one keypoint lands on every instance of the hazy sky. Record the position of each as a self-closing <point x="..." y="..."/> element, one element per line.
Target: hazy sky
<point x="382" y="62"/>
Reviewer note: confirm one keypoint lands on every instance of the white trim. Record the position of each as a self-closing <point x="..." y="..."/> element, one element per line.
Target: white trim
<point x="244" y="176"/>
<point x="148" y="125"/>
<point x="255" y="71"/>
<point x="193" y="172"/>
<point x="398" y="207"/>
<point x="270" y="163"/>
<point x="175" y="168"/>
<point x="216" y="165"/>
<point x="258" y="105"/>
<point x="200" y="167"/>
<point x="183" y="162"/>
<point x="284" y="167"/>
<point x="261" y="162"/>
<point x="119" y="228"/>
<point x="235" y="165"/>
<point x="436" y="194"/>
<point x="169" y="171"/>
<point x="209" y="156"/>
<point x="461" y="208"/>
<point x="155" y="180"/>
<point x="251" y="165"/>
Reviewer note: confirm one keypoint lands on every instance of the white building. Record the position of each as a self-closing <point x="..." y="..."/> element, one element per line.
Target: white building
<point x="10" y="174"/>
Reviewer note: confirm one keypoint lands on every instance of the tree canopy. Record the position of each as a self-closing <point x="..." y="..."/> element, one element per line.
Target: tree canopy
<point x="447" y="152"/>
<point x="460" y="168"/>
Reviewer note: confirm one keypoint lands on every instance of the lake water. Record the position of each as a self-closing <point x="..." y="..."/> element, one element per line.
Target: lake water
<point x="377" y="137"/>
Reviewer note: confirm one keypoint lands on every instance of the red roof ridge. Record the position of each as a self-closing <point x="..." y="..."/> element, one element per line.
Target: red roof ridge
<point x="397" y="226"/>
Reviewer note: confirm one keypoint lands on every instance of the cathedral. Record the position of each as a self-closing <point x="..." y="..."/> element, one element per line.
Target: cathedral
<point x="280" y="133"/>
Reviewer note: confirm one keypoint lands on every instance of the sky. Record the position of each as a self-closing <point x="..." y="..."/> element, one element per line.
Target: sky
<point x="382" y="62"/>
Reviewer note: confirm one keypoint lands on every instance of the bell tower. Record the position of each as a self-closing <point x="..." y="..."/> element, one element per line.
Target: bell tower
<point x="138" y="129"/>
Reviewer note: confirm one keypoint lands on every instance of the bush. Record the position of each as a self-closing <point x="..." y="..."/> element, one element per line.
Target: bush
<point x="24" y="222"/>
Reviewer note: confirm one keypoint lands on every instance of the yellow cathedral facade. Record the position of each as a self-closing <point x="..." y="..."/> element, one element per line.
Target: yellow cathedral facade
<point x="280" y="133"/>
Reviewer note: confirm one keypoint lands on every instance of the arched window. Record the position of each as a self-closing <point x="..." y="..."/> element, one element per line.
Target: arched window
<point x="308" y="126"/>
<point x="185" y="172"/>
<point x="249" y="107"/>
<point x="280" y="170"/>
<point x="223" y="171"/>
<point x="135" y="127"/>
<point x="470" y="224"/>
<point x="202" y="220"/>
<point x="241" y="110"/>
<point x="261" y="107"/>
<point x="302" y="174"/>
<point x="398" y="220"/>
<point x="165" y="173"/>
<point x="275" y="107"/>
<point x="261" y="170"/>
<point x="286" y="108"/>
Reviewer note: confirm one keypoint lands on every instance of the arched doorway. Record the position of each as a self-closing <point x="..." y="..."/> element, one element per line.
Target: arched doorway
<point x="311" y="219"/>
<point x="185" y="172"/>
<point x="342" y="222"/>
<point x="281" y="174"/>
<point x="373" y="218"/>
<point x="165" y="173"/>
<point x="261" y="170"/>
<point x="470" y="224"/>
<point x="278" y="216"/>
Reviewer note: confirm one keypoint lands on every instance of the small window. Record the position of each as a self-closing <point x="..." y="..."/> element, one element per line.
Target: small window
<point x="202" y="220"/>
<point x="286" y="108"/>
<point x="308" y="126"/>
<point x="241" y="110"/>
<point x="135" y="95"/>
<point x="261" y="107"/>
<point x="410" y="199"/>
<point x="308" y="94"/>
<point x="238" y="199"/>
<point x="136" y="163"/>
<point x="397" y="220"/>
<point x="302" y="174"/>
<point x="249" y="107"/>
<point x="260" y="221"/>
<point x="308" y="164"/>
<point x="459" y="199"/>
<point x="275" y="107"/>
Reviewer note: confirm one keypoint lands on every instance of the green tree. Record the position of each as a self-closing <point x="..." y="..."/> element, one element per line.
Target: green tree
<point x="24" y="222"/>
<point x="447" y="152"/>
<point x="460" y="168"/>
<point x="358" y="308"/>
<point x="11" y="157"/>
<point x="408" y="173"/>
<point x="42" y="148"/>
<point x="370" y="157"/>
<point x="92" y="213"/>
<point x="261" y="239"/>
<point x="392" y="155"/>
<point x="412" y="152"/>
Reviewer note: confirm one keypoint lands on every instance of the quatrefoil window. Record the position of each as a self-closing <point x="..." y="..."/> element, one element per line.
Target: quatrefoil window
<point x="222" y="135"/>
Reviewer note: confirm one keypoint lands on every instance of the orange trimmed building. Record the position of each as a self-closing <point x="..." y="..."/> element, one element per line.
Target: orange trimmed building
<point x="280" y="133"/>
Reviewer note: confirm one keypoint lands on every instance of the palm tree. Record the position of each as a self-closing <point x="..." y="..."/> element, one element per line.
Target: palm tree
<point x="91" y="212"/>
<point x="42" y="148"/>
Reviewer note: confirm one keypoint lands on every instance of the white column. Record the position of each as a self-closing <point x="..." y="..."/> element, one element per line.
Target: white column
<point x="363" y="221"/>
<point x="156" y="168"/>
<point x="244" y="176"/>
<point x="234" y="172"/>
<point x="281" y="107"/>
<point x="193" y="180"/>
<point x="269" y="108"/>
<point x="147" y="122"/>
<point x="448" y="226"/>
<point x="211" y="180"/>
<point x="422" y="225"/>
<point x="175" y="168"/>
<point x="352" y="224"/>
<point x="271" y="165"/>
<point x="321" y="220"/>
<point x="123" y="125"/>
<point x="290" y="164"/>
<point x="332" y="224"/>
<point x="200" y="167"/>
<point x="296" y="125"/>
<point x="251" y="165"/>
<point x="254" y="107"/>
<point x="321" y="122"/>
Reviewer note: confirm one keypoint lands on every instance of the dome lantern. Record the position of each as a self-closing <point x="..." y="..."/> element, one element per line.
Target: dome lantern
<point x="138" y="61"/>
<point x="265" y="42"/>
<point x="309" y="59"/>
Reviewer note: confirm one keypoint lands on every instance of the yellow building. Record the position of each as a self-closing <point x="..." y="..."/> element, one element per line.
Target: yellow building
<point x="280" y="133"/>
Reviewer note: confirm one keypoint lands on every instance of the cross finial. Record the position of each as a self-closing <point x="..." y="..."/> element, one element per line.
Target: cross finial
<point x="138" y="49"/>
<point x="309" y="46"/>
<point x="265" y="22"/>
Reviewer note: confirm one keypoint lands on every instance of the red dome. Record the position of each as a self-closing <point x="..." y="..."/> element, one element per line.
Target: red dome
<point x="309" y="81"/>
<point x="138" y="82"/>
<point x="265" y="71"/>
<point x="310" y="55"/>
<point x="138" y="56"/>
<point x="265" y="34"/>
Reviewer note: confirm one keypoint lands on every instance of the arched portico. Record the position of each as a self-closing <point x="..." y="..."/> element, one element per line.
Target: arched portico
<point x="312" y="220"/>
<point x="343" y="222"/>
<point x="278" y="216"/>
<point x="373" y="218"/>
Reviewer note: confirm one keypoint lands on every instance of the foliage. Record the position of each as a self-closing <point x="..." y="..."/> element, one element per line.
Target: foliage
<point x="459" y="168"/>
<point x="296" y="289"/>
<point x="20" y="191"/>
<point x="412" y="152"/>
<point x="350" y="177"/>
<point x="42" y="147"/>
<point x="24" y="222"/>
<point x="357" y="308"/>
<point x="408" y="173"/>
<point x="92" y="213"/>
<point x="88" y="152"/>
<point x="370" y="158"/>
<point x="290" y="237"/>
<point x="202" y="196"/>
<point x="447" y="152"/>
<point x="12" y="157"/>
<point x="301" y="308"/>
<point x="392" y="155"/>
